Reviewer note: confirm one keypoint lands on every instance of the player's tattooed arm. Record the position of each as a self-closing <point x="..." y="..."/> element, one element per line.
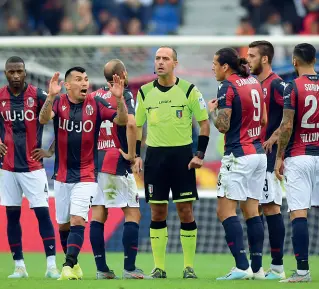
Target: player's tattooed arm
<point x="121" y="117"/>
<point x="221" y="119"/>
<point x="46" y="110"/>
<point x="286" y="127"/>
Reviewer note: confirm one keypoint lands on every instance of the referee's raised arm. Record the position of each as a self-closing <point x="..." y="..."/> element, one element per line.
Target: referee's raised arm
<point x="168" y="104"/>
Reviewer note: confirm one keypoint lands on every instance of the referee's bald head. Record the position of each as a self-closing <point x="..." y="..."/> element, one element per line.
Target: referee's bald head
<point x="114" y="66"/>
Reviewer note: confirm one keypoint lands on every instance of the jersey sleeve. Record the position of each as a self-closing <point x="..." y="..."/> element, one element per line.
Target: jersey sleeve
<point x="105" y="109"/>
<point x="289" y="97"/>
<point x="140" y="111"/>
<point x="225" y="95"/>
<point x="197" y="104"/>
<point x="41" y="96"/>
<point x="279" y="87"/>
<point x="129" y="101"/>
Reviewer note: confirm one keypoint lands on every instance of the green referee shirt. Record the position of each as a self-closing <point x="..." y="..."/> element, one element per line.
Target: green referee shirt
<point x="168" y="112"/>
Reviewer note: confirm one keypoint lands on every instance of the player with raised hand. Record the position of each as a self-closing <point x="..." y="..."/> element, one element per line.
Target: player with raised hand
<point x="20" y="134"/>
<point x="168" y="104"/>
<point x="241" y="114"/>
<point x="260" y="55"/>
<point x="298" y="144"/>
<point x="117" y="186"/>
<point x="77" y="117"/>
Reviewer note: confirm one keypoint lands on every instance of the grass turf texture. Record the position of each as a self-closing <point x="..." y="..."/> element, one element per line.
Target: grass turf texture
<point x="207" y="267"/>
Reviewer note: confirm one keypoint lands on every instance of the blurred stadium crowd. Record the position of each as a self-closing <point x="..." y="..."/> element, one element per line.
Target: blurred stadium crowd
<point x="89" y="17"/>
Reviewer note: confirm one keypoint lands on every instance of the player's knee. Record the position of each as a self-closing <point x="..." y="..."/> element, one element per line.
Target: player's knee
<point x="159" y="212"/>
<point x="13" y="214"/>
<point x="99" y="214"/>
<point x="132" y="214"/>
<point x="298" y="214"/>
<point x="64" y="227"/>
<point x="185" y="212"/>
<point x="271" y="209"/>
<point x="77" y="221"/>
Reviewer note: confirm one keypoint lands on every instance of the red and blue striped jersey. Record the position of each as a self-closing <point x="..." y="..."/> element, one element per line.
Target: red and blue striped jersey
<point x="112" y="137"/>
<point x="245" y="98"/>
<point x="20" y="129"/>
<point x="302" y="96"/>
<point x="76" y="128"/>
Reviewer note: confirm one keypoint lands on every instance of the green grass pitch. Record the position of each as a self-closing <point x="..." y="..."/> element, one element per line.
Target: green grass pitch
<point x="207" y="267"/>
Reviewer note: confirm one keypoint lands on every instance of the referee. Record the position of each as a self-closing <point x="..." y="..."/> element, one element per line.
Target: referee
<point x="168" y="105"/>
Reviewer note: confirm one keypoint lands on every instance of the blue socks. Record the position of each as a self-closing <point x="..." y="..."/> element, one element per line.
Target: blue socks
<point x="64" y="239"/>
<point x="14" y="232"/>
<point x="300" y="242"/>
<point x="234" y="239"/>
<point x="46" y="230"/>
<point x="130" y="243"/>
<point x="276" y="229"/>
<point x="75" y="242"/>
<point x="255" y="232"/>
<point x="98" y="245"/>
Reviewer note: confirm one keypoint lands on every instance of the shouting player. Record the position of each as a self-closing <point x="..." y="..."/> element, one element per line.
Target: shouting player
<point x="168" y="104"/>
<point x="77" y="118"/>
<point x="241" y="114"/>
<point x="299" y="145"/>
<point x="117" y="186"/>
<point x="21" y="134"/>
<point x="260" y="55"/>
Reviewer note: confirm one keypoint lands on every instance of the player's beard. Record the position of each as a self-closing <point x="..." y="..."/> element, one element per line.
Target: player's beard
<point x="258" y="69"/>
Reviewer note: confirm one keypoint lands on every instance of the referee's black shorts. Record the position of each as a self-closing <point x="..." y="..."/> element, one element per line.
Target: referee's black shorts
<point x="166" y="168"/>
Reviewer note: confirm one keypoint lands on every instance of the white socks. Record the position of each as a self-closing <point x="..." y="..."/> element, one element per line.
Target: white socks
<point x="19" y="263"/>
<point x="51" y="262"/>
<point x="277" y="268"/>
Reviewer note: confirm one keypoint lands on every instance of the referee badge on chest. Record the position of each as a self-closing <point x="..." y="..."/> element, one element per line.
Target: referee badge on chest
<point x="179" y="113"/>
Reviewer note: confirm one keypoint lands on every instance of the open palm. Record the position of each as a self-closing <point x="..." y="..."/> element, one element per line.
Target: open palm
<point x="55" y="86"/>
<point x="118" y="86"/>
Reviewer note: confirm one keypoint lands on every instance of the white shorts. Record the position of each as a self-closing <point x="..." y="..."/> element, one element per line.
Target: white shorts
<point x="34" y="185"/>
<point x="302" y="182"/>
<point x="116" y="191"/>
<point x="73" y="200"/>
<point x="272" y="191"/>
<point x="242" y="178"/>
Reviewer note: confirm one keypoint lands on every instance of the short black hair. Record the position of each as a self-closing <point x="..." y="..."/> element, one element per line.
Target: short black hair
<point x="265" y="49"/>
<point x="75" y="68"/>
<point x="230" y="56"/>
<point x="305" y="52"/>
<point x="173" y="50"/>
<point x="117" y="68"/>
<point x="14" y="59"/>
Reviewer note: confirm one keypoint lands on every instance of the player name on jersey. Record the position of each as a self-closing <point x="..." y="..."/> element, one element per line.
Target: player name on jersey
<point x="312" y="87"/>
<point x="310" y="137"/>
<point x="253" y="132"/>
<point x="246" y="81"/>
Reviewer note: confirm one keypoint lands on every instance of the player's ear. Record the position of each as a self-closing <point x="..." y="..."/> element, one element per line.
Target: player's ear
<point x="67" y="85"/>
<point x="25" y="72"/>
<point x="264" y="59"/>
<point x="175" y="63"/>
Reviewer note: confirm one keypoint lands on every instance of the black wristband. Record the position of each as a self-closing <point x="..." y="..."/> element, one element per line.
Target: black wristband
<point x="138" y="148"/>
<point x="202" y="143"/>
